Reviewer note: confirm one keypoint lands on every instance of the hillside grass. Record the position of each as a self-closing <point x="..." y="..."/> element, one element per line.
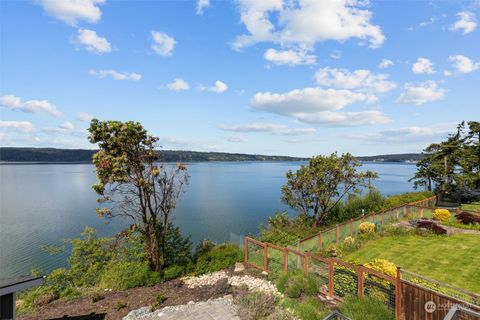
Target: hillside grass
<point x="474" y="206"/>
<point x="451" y="259"/>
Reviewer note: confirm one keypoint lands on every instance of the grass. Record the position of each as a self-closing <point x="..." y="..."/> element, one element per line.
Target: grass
<point x="474" y="206"/>
<point x="365" y="308"/>
<point x="453" y="259"/>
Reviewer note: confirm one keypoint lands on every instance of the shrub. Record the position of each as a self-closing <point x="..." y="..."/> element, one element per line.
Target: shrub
<point x="283" y="230"/>
<point x="255" y="305"/>
<point x="441" y="214"/>
<point x="468" y="217"/>
<point x="159" y="300"/>
<point x="296" y="284"/>
<point x="383" y="266"/>
<point x="365" y="308"/>
<point x="367" y="227"/>
<point x="430" y="225"/>
<point x="120" y="305"/>
<point x="123" y="275"/>
<point x="404" y="198"/>
<point x="173" y="272"/>
<point x="218" y="258"/>
<point x="345" y="281"/>
<point x="309" y="308"/>
<point x="349" y="241"/>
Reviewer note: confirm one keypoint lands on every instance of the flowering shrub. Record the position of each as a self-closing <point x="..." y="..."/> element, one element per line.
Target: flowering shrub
<point x="442" y="215"/>
<point x="383" y="266"/>
<point x="367" y="227"/>
<point x="468" y="217"/>
<point x="349" y="241"/>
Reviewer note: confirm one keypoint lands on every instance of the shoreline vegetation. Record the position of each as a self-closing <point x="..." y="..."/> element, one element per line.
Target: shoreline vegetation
<point x="12" y="155"/>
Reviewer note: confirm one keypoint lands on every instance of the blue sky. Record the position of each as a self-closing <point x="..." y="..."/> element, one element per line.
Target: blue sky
<point x="270" y="77"/>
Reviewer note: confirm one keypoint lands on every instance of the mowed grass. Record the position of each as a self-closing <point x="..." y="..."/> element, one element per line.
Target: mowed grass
<point x="451" y="259"/>
<point x="474" y="206"/>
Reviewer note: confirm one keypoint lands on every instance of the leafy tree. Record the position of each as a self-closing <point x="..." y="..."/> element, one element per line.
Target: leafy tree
<point x="132" y="184"/>
<point x="317" y="188"/>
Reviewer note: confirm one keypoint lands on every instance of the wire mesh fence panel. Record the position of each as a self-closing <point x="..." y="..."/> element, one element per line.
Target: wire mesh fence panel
<point x="377" y="220"/>
<point x="275" y="260"/>
<point x="345" y="281"/>
<point x="310" y="245"/>
<point x="427" y="213"/>
<point x="379" y="289"/>
<point x="295" y="261"/>
<point x="319" y="271"/>
<point x="356" y="226"/>
<point x="329" y="237"/>
<point x="344" y="231"/>
<point x="255" y="254"/>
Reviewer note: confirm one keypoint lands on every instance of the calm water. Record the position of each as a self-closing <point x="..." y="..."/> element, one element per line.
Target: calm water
<point x="43" y="204"/>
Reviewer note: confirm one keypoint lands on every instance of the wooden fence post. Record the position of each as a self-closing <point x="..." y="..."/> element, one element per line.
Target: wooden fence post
<point x="360" y="282"/>
<point x="337" y="234"/>
<point x="285" y="261"/>
<point x="421" y="213"/>
<point x="351" y="227"/>
<point x="330" y="278"/>
<point x="404" y="211"/>
<point x="245" y="248"/>
<point x="320" y="240"/>
<point x="265" y="257"/>
<point x="397" y="214"/>
<point x="383" y="218"/>
<point x="398" y="295"/>
<point x="306" y="263"/>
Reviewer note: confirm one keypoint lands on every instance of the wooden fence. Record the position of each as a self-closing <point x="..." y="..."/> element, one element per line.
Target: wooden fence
<point x="336" y="234"/>
<point x="406" y="294"/>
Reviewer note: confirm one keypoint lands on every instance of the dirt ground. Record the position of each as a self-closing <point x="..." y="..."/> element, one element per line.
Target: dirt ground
<point x="116" y="305"/>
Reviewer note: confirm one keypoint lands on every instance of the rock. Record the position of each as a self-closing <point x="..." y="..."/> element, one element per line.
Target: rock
<point x="239" y="267"/>
<point x="222" y="286"/>
<point x="134" y="314"/>
<point x="264" y="273"/>
<point x="228" y="297"/>
<point x="45" y="299"/>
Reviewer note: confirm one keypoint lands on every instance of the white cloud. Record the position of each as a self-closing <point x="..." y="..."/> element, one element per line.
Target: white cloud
<point x="67" y="125"/>
<point x="385" y="63"/>
<point x="93" y="42"/>
<point x="276" y="129"/>
<point x="202" y="5"/>
<point x="466" y="22"/>
<point x="362" y="80"/>
<point x="336" y="54"/>
<point x="237" y="139"/>
<point x="288" y="57"/>
<point x="302" y="23"/>
<point x="406" y="134"/>
<point x="115" y="75"/>
<point x="176" y="143"/>
<point x="30" y="106"/>
<point x="84" y="117"/>
<point x="218" y="87"/>
<point x="66" y="128"/>
<point x="427" y="91"/>
<point x="423" y="66"/>
<point x="463" y="64"/>
<point x="73" y="11"/>
<point x="21" y="126"/>
<point x="319" y="106"/>
<point x="178" y="84"/>
<point x="163" y="44"/>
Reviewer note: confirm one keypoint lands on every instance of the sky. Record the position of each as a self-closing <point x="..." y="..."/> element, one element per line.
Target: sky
<point x="284" y="77"/>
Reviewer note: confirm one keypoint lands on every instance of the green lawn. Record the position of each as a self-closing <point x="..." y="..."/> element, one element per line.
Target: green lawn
<point x="474" y="206"/>
<point x="454" y="259"/>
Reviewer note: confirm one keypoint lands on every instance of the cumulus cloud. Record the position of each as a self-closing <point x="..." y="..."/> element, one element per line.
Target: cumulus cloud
<point x="319" y="106"/>
<point x="84" y="117"/>
<point x="115" y="75"/>
<point x="65" y="128"/>
<point x="237" y="139"/>
<point x="288" y="57"/>
<point x="218" y="87"/>
<point x="93" y="42"/>
<point x="202" y="5"/>
<point x="423" y="66"/>
<point x="424" y="92"/>
<point x="363" y="80"/>
<point x="178" y="84"/>
<point x="30" y="106"/>
<point x="163" y="44"/>
<point x="385" y="63"/>
<point x="20" y="126"/>
<point x="302" y="23"/>
<point x="276" y="129"/>
<point x="463" y="64"/>
<point x="466" y="22"/>
<point x="73" y="11"/>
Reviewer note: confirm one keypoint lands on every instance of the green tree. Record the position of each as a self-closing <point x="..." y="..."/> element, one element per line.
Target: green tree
<point x="317" y="188"/>
<point x="132" y="184"/>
